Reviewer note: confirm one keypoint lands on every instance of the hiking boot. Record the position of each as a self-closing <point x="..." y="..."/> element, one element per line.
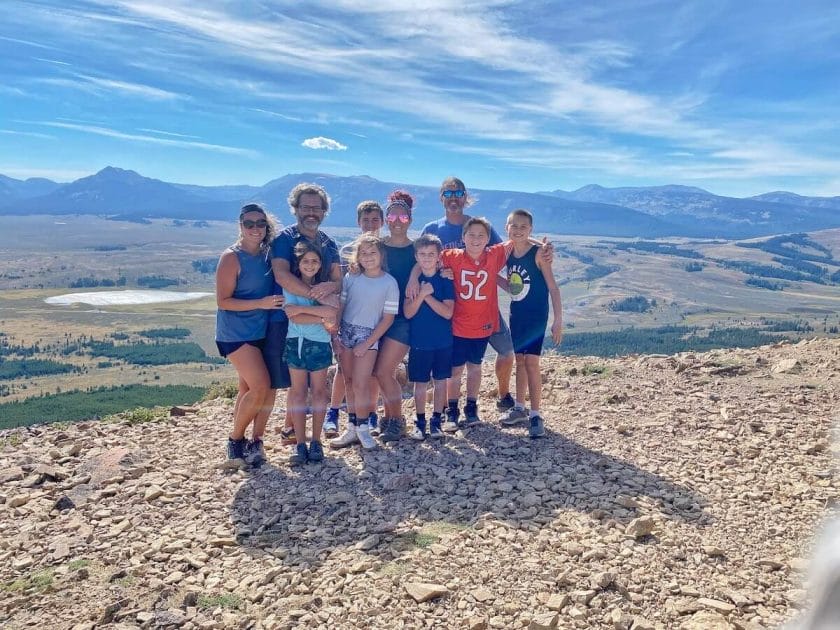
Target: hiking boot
<point x="373" y="424"/>
<point x="452" y="415"/>
<point x="255" y="453"/>
<point x="471" y="416"/>
<point x="364" y="437"/>
<point x="348" y="438"/>
<point x="417" y="434"/>
<point x="331" y="423"/>
<point x="536" y="428"/>
<point x="299" y="455"/>
<point x="435" y="430"/>
<point x="393" y="430"/>
<point x="505" y="402"/>
<point x="514" y="417"/>
<point x="236" y="449"/>
<point x="449" y="427"/>
<point x="316" y="451"/>
<point x="287" y="436"/>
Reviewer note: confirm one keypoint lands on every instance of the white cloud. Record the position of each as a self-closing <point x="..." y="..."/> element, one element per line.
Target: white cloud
<point x="323" y="143"/>
<point x="28" y="134"/>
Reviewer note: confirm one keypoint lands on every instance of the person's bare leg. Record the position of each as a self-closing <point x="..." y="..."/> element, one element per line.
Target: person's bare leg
<point x="504" y="369"/>
<point x="249" y="365"/>
<point x="318" y="389"/>
<point x="391" y="352"/>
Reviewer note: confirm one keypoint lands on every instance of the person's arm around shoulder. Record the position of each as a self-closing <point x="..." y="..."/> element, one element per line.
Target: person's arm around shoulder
<point x="227" y="272"/>
<point x="556" y="302"/>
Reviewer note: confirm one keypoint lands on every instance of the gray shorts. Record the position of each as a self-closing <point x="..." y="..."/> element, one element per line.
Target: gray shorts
<point x="501" y="340"/>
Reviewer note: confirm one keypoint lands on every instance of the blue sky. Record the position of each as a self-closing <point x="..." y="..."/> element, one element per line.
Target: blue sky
<point x="735" y="97"/>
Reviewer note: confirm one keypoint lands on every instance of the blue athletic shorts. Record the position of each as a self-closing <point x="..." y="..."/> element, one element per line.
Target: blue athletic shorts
<point x="229" y="347"/>
<point x="398" y="331"/>
<point x="274" y="354"/>
<point x="468" y="350"/>
<point x="422" y="363"/>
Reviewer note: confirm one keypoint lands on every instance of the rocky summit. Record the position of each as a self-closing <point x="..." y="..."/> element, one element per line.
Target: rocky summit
<point x="669" y="492"/>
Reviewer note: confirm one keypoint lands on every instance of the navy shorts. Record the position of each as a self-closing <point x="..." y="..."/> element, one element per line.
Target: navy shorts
<point x="501" y="340"/>
<point x="398" y="331"/>
<point x="274" y="354"/>
<point x="468" y="350"/>
<point x="305" y="354"/>
<point x="422" y="363"/>
<point x="229" y="347"/>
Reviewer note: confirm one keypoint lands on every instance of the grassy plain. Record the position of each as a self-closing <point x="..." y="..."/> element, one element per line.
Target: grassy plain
<point x="41" y="256"/>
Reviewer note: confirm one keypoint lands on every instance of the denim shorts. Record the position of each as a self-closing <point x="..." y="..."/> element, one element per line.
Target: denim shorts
<point x="422" y="363"/>
<point x="305" y="354"/>
<point x="351" y="335"/>
<point x="466" y="350"/>
<point x="273" y="354"/>
<point x="398" y="331"/>
<point x="501" y="340"/>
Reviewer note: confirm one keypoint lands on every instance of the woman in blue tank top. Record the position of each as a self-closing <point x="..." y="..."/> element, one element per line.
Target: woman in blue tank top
<point x="244" y="284"/>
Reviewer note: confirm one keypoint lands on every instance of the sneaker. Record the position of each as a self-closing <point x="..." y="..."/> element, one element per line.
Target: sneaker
<point x="452" y="415"/>
<point x="316" y="451"/>
<point x="393" y="430"/>
<point x="513" y="417"/>
<point x="417" y="434"/>
<point x="449" y="427"/>
<point x="287" y="436"/>
<point x="505" y="402"/>
<point x="471" y="416"/>
<point x="255" y="453"/>
<point x="536" y="429"/>
<point x="299" y="455"/>
<point x="435" y="430"/>
<point x="373" y="424"/>
<point x="331" y="423"/>
<point x="348" y="438"/>
<point x="364" y="437"/>
<point x="236" y="449"/>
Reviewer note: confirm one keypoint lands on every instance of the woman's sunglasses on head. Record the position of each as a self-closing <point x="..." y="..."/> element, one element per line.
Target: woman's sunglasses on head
<point x="453" y="193"/>
<point x="248" y="224"/>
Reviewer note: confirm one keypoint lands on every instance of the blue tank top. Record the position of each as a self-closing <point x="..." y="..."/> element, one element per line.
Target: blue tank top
<point x="528" y="290"/>
<point x="254" y="281"/>
<point x="400" y="263"/>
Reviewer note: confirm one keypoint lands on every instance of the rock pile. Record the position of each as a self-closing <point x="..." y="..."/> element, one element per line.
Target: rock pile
<point x="670" y="492"/>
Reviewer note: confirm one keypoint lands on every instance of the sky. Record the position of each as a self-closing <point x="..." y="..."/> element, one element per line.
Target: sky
<point x="739" y="98"/>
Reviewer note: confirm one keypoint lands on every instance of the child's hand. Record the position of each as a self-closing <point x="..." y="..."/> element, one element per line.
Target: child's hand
<point x="446" y="272"/>
<point x="557" y="331"/>
<point x="361" y="349"/>
<point x="330" y="324"/>
<point x="426" y="288"/>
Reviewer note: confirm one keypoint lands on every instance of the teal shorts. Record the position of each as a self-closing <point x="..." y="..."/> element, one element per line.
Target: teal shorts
<point x="308" y="355"/>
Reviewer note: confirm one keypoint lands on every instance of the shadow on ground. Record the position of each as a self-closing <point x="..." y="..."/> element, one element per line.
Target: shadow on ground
<point x="306" y="512"/>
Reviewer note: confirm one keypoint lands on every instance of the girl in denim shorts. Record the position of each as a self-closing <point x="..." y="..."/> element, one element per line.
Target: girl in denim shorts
<point x="369" y="301"/>
<point x="308" y="352"/>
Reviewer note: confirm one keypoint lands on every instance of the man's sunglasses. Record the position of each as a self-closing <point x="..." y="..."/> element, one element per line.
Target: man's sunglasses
<point x="402" y="218"/>
<point x="248" y="224"/>
<point x="453" y="193"/>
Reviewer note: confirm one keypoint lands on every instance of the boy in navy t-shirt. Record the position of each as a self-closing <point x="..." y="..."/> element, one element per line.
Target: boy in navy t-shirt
<point x="430" y="335"/>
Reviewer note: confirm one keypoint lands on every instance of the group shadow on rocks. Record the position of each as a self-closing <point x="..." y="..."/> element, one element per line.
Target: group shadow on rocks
<point x="302" y="514"/>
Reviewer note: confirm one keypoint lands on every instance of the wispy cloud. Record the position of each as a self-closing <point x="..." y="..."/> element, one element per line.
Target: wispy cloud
<point x="323" y="143"/>
<point x="27" y="134"/>
<point x="168" y="133"/>
<point x="113" y="133"/>
<point x="101" y="86"/>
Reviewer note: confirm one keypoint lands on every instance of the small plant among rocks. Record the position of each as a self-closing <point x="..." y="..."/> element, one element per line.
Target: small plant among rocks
<point x="38" y="581"/>
<point x="228" y="601"/>
<point x="139" y="415"/>
<point x="222" y="390"/>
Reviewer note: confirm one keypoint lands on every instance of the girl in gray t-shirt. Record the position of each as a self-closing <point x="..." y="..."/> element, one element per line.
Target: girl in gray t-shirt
<point x="369" y="301"/>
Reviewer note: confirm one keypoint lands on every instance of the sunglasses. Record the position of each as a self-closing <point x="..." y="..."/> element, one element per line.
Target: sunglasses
<point x="402" y="218"/>
<point x="448" y="194"/>
<point x="248" y="224"/>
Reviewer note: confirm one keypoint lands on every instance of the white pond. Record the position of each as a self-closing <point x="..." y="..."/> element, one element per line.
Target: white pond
<point x="123" y="298"/>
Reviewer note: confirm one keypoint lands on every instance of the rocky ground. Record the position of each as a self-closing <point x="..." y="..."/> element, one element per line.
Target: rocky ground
<point x="670" y="492"/>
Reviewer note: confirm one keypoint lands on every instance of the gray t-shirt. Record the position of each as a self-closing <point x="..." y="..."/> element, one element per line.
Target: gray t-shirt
<point x="366" y="299"/>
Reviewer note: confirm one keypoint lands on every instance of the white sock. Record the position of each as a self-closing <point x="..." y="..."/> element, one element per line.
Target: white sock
<point x="518" y="405"/>
<point x="534" y="412"/>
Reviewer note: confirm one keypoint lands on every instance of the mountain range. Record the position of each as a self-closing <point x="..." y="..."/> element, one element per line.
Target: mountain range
<point x="645" y="212"/>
